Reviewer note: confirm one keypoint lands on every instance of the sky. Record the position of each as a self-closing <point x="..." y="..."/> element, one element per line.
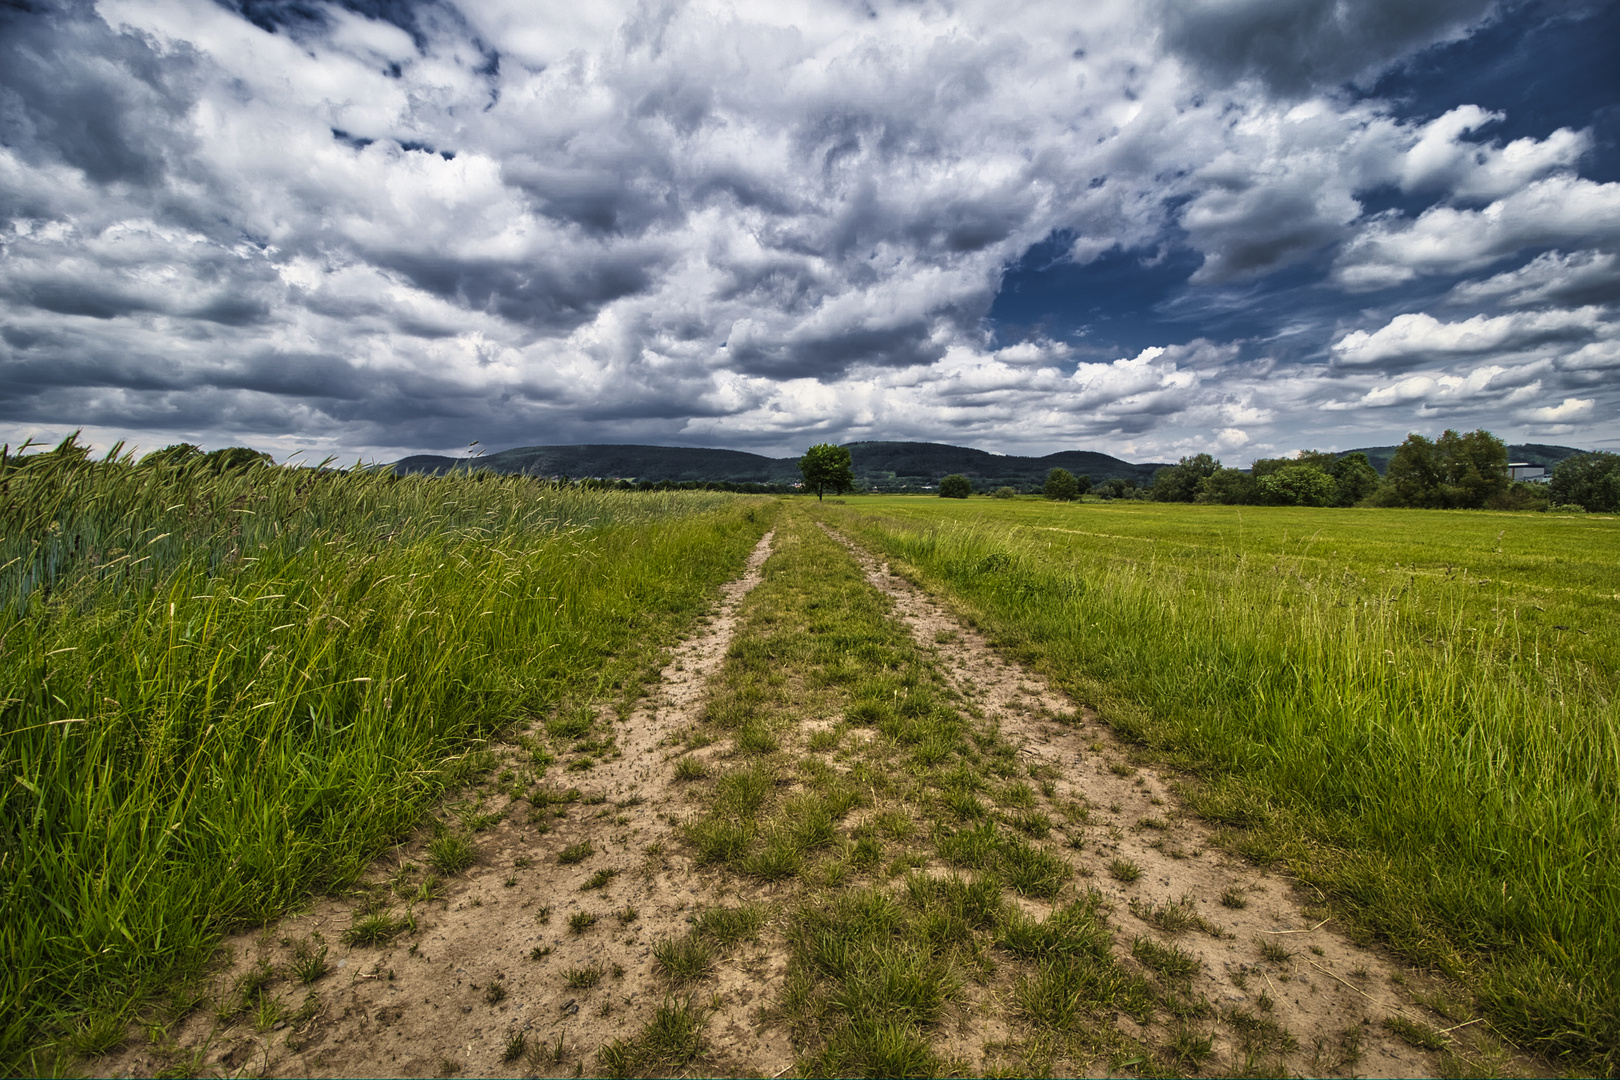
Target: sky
<point x="368" y="228"/>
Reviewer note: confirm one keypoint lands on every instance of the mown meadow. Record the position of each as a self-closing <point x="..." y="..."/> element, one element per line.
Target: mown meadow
<point x="220" y="690"/>
<point x="1414" y="711"/>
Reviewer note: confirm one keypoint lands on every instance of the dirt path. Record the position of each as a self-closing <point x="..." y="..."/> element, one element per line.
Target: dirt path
<point x="1271" y="958"/>
<point x="540" y="954"/>
<point x="512" y="944"/>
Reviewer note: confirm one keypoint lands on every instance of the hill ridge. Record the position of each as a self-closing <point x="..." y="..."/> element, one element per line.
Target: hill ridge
<point x="878" y="465"/>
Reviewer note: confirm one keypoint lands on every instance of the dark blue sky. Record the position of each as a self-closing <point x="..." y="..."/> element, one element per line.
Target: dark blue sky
<point x="1544" y="66"/>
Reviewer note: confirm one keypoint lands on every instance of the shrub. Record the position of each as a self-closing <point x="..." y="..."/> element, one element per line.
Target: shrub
<point x="1298" y="485"/>
<point x="955" y="486"/>
<point x="1454" y="472"/>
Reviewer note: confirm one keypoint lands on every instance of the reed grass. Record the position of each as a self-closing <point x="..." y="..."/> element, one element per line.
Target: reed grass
<point x="1415" y="709"/>
<point x="219" y="692"/>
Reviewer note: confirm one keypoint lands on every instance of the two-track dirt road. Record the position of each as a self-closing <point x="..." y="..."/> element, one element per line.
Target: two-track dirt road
<point x="541" y="954"/>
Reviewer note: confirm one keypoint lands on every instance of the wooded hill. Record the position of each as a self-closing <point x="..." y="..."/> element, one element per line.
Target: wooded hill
<point x="878" y="466"/>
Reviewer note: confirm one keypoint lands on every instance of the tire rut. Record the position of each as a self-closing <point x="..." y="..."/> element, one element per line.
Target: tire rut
<point x="1327" y="991"/>
<point x="495" y="958"/>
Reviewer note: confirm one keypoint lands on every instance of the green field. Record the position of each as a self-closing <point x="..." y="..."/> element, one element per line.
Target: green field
<point x="218" y="693"/>
<point x="1413" y="710"/>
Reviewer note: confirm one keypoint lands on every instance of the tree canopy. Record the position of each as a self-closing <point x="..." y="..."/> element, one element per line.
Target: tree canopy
<point x="1591" y="481"/>
<point x="827" y="468"/>
<point x="955" y="486"/>
<point x="1454" y="472"/>
<point x="1179" y="482"/>
<point x="1061" y="485"/>
<point x="1297" y="485"/>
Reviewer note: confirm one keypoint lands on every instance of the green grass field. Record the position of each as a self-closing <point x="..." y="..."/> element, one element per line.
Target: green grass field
<point x="1415" y="711"/>
<point x="218" y="693"/>
<point x="221" y="693"/>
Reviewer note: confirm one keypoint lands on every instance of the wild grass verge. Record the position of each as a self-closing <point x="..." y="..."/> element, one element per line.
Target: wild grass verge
<point x="218" y="692"/>
<point x="1413" y="709"/>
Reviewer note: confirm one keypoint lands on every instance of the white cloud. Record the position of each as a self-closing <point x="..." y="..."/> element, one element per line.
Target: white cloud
<point x="1436" y="390"/>
<point x="727" y="222"/>
<point x="1441" y="159"/>
<point x="1582" y="277"/>
<point x="1555" y="211"/>
<point x="1419" y="336"/>
<point x="1564" y="412"/>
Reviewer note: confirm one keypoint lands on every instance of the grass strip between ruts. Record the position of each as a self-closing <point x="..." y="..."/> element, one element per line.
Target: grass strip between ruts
<point x="846" y="767"/>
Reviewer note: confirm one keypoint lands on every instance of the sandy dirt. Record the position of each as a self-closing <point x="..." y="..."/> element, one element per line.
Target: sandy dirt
<point x="505" y="950"/>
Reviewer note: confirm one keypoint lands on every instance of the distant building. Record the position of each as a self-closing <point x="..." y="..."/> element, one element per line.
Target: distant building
<point x="1523" y="470"/>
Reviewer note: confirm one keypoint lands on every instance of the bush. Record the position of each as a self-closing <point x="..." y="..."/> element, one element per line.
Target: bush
<point x="1521" y="496"/>
<point x="1003" y="493"/>
<point x="1456" y="472"/>
<point x="1297" y="485"/>
<point x="1229" y="487"/>
<point x="1354" y="477"/>
<point x="1119" y="487"/>
<point x="955" y="486"/>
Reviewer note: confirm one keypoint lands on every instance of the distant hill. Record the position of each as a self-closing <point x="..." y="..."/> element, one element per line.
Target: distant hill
<point x="879" y="466"/>
<point x="1534" y="453"/>
<point x="901" y="465"/>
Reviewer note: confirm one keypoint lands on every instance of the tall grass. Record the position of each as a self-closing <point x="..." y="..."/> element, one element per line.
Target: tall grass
<point x="218" y="692"/>
<point x="1435" y="742"/>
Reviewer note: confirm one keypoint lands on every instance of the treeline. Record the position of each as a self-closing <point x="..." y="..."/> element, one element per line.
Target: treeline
<point x="1454" y="472"/>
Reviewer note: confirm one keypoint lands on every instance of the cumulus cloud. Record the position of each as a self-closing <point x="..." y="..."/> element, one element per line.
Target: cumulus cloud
<point x="1442" y="159"/>
<point x="1511" y="367"/>
<point x="1295" y="46"/>
<point x="1582" y="277"/>
<point x="1558" y="211"/>
<point x="406" y="225"/>
<point x="1564" y="412"/>
<point x="1289" y="180"/>
<point x="1420" y="336"/>
<point x="1437" y="391"/>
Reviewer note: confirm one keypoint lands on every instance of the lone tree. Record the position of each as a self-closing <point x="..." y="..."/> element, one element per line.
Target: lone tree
<point x="955" y="486"/>
<point x="827" y="468"/>
<point x="1061" y="485"/>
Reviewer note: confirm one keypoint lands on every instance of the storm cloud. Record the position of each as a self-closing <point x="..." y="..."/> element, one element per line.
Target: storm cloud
<point x="373" y="227"/>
